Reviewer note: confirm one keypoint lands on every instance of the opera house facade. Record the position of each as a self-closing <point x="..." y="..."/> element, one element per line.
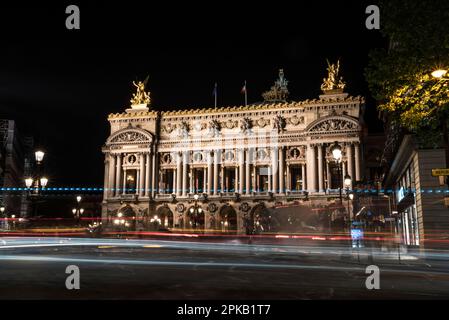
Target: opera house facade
<point x="224" y="168"/>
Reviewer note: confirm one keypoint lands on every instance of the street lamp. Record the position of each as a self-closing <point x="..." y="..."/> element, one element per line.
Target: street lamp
<point x="39" y="156"/>
<point x="36" y="181"/>
<point x="77" y="212"/>
<point x="195" y="211"/>
<point x="439" y="73"/>
<point x="348" y="182"/>
<point x="337" y="155"/>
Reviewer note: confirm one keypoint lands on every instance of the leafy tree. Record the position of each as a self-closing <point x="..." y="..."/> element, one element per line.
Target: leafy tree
<point x="400" y="77"/>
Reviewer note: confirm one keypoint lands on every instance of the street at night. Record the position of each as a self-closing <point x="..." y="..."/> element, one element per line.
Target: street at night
<point x="34" y="268"/>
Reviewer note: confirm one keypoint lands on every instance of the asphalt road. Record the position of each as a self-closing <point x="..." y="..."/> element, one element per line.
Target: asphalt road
<point x="34" y="268"/>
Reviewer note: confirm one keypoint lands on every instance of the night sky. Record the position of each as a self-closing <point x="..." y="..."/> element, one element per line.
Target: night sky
<point x="61" y="84"/>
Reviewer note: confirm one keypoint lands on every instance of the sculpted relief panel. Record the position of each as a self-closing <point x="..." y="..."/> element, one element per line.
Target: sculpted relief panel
<point x="334" y="125"/>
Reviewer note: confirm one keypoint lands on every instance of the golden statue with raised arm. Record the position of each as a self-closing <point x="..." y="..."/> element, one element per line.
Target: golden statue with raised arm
<point x="333" y="82"/>
<point x="141" y="97"/>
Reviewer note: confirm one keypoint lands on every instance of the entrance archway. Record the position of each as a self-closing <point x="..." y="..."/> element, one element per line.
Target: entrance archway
<point x="228" y="219"/>
<point x="125" y="218"/>
<point x="163" y="218"/>
<point x="260" y="219"/>
<point x="195" y="218"/>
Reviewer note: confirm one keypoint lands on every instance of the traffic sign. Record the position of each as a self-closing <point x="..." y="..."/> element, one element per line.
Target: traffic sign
<point x="440" y="172"/>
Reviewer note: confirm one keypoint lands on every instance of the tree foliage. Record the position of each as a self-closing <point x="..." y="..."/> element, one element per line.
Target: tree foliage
<point x="399" y="77"/>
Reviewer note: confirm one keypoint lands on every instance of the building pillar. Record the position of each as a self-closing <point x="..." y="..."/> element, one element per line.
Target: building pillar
<point x="142" y="175"/>
<point x="289" y="179"/>
<point x="281" y="170"/>
<point x="209" y="173"/>
<point x="174" y="181"/>
<point x="328" y="175"/>
<point x="112" y="173"/>
<point x="320" y="169"/>
<point x="357" y="162"/>
<point x="247" y="173"/>
<point x="215" y="187"/>
<point x="303" y="177"/>
<point x="204" y="179"/>
<point x="350" y="167"/>
<point x="154" y="178"/>
<point x="124" y="182"/>
<point x="139" y="175"/>
<point x="236" y="179"/>
<point x="275" y="169"/>
<point x="270" y="175"/>
<point x="147" y="175"/>
<point x="255" y="186"/>
<point x="106" y="177"/>
<point x="343" y="174"/>
<point x="118" y="174"/>
<point x="179" y="174"/>
<point x="311" y="168"/>
<point x="184" y="174"/>
<point x="241" y="170"/>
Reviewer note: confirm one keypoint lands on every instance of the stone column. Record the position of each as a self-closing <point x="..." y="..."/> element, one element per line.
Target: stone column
<point x="270" y="175"/>
<point x="184" y="174"/>
<point x="357" y="162"/>
<point x="106" y="177"/>
<point x="191" y="182"/>
<point x="311" y="169"/>
<point x="241" y="170"/>
<point x="223" y="178"/>
<point x="118" y="174"/>
<point x="142" y="175"/>
<point x="204" y="179"/>
<point x="303" y="177"/>
<point x="209" y="173"/>
<point x="112" y="173"/>
<point x="281" y="170"/>
<point x="289" y="179"/>
<point x="350" y="167"/>
<point x="328" y="175"/>
<point x="147" y="175"/>
<point x="139" y="176"/>
<point x="179" y="174"/>
<point x="215" y="187"/>
<point x="320" y="169"/>
<point x="174" y="181"/>
<point x="343" y="170"/>
<point x="247" y="173"/>
<point x="124" y="182"/>
<point x="154" y="176"/>
<point x="275" y="169"/>
<point x="236" y="179"/>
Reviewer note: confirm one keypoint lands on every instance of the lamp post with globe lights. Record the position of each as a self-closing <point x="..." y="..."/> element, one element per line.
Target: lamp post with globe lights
<point x="37" y="182"/>
<point x="337" y="155"/>
<point x="195" y="211"/>
<point x="78" y="211"/>
<point x="3" y="216"/>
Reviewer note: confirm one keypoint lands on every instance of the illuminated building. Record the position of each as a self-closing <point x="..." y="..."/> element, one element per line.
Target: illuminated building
<point x="239" y="159"/>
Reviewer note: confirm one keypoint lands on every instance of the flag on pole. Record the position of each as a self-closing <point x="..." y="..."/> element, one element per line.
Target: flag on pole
<point x="243" y="91"/>
<point x="214" y="93"/>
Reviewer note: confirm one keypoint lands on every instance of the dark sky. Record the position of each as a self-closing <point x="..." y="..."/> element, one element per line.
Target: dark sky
<point x="61" y="84"/>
